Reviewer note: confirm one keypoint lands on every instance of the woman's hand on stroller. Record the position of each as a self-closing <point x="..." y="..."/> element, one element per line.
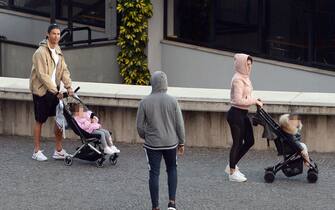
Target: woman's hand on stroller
<point x="259" y="103"/>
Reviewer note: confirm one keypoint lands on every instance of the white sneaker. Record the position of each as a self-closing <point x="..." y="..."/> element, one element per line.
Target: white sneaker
<point x="39" y="156"/>
<point x="108" y="150"/>
<point x="237" y="177"/>
<point x="227" y="170"/>
<point x="115" y="150"/>
<point x="60" y="155"/>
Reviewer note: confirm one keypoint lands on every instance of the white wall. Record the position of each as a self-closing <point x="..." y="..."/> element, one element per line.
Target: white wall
<point x="191" y="66"/>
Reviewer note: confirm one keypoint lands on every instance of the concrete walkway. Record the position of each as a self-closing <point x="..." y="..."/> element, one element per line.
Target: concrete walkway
<point x="28" y="184"/>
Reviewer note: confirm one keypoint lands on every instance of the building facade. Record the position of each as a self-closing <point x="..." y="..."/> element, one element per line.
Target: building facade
<point x="193" y="41"/>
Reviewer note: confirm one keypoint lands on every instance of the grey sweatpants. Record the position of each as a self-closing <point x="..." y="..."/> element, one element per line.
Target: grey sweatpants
<point x="105" y="137"/>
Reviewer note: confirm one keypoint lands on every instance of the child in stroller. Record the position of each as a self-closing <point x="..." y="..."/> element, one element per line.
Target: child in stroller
<point x="89" y="122"/>
<point x="90" y="149"/>
<point x="291" y="126"/>
<point x="287" y="141"/>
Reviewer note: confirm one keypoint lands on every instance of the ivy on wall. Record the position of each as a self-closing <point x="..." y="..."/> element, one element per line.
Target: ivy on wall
<point x="133" y="39"/>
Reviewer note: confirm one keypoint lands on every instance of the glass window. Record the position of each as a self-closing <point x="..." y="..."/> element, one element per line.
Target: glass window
<point x="88" y="12"/>
<point x="300" y="31"/>
<point x="3" y="2"/>
<point x="39" y="6"/>
<point x="325" y="32"/>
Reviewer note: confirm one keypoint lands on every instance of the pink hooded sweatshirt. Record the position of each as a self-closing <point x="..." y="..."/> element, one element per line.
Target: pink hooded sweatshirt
<point x="85" y="122"/>
<point x="241" y="87"/>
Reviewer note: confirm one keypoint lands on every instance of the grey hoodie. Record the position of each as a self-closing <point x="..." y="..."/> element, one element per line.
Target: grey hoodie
<point x="159" y="119"/>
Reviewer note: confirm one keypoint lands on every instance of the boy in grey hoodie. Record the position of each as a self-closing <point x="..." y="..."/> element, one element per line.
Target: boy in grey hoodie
<point x="160" y="123"/>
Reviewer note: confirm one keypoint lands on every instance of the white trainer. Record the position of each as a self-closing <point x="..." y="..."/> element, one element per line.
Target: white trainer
<point x="227" y="170"/>
<point x="39" y="156"/>
<point x="115" y="149"/>
<point x="60" y="155"/>
<point x="237" y="177"/>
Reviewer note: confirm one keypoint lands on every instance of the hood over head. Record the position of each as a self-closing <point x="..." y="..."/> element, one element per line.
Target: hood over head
<point x="159" y="82"/>
<point x="240" y="64"/>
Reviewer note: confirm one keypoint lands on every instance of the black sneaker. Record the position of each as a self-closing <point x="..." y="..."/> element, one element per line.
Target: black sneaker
<point x="172" y="206"/>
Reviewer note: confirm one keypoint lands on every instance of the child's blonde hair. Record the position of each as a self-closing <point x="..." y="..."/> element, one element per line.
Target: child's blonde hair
<point x="285" y="118"/>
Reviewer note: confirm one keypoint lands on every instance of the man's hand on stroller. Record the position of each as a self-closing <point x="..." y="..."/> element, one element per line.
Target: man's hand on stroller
<point x="59" y="95"/>
<point x="70" y="91"/>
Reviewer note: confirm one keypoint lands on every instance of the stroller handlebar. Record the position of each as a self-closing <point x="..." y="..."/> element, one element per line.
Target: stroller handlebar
<point x="66" y="94"/>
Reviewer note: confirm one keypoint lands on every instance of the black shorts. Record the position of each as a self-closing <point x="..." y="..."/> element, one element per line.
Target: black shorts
<point x="45" y="106"/>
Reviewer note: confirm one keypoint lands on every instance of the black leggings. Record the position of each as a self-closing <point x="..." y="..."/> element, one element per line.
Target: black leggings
<point x="242" y="133"/>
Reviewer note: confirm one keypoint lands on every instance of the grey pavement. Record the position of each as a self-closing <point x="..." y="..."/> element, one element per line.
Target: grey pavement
<point x="202" y="184"/>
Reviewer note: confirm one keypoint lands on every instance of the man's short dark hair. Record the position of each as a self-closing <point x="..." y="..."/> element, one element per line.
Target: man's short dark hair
<point x="53" y="26"/>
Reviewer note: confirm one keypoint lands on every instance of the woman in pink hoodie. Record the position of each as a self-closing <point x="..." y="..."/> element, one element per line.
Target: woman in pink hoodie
<point x="240" y="126"/>
<point x="90" y="123"/>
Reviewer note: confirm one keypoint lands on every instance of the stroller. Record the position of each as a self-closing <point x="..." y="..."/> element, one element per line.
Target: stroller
<point x="292" y="164"/>
<point x="91" y="149"/>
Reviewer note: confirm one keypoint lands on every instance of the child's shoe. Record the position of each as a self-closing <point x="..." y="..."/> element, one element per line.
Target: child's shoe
<point x="108" y="151"/>
<point x="114" y="149"/>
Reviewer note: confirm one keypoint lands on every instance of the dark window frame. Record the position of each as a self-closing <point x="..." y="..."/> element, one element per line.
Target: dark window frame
<point x="11" y="6"/>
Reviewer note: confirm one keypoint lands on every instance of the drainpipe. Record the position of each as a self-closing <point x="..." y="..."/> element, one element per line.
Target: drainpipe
<point x="52" y="11"/>
<point x="0" y="59"/>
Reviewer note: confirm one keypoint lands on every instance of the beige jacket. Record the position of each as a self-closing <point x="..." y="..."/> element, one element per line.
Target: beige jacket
<point x="43" y="66"/>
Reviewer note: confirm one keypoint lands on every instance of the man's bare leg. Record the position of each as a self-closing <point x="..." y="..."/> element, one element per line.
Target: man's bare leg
<point x="59" y="137"/>
<point x="37" y="136"/>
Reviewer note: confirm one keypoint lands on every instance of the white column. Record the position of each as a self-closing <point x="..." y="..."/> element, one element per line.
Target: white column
<point x="110" y="19"/>
<point x="155" y="32"/>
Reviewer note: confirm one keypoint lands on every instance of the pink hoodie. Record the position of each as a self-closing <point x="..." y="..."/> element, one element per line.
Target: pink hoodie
<point x="85" y="122"/>
<point x="241" y="87"/>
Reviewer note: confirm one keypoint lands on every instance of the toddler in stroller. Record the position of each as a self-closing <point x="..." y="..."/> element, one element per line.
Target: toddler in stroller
<point x="291" y="126"/>
<point x="287" y="139"/>
<point x="89" y="122"/>
<point x="90" y="149"/>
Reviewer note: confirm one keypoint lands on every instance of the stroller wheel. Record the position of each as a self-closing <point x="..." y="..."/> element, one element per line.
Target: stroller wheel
<point x="100" y="163"/>
<point x="312" y="176"/>
<point x="68" y="160"/>
<point x="113" y="159"/>
<point x="269" y="176"/>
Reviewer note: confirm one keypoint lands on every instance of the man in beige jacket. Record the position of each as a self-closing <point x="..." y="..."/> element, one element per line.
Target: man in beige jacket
<point x="48" y="70"/>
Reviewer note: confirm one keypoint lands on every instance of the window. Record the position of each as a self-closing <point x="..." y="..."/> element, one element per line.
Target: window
<point x="89" y="12"/>
<point x="3" y="2"/>
<point x="301" y="31"/>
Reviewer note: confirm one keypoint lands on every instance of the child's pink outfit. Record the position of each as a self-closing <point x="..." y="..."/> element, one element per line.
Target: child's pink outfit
<point x="85" y="123"/>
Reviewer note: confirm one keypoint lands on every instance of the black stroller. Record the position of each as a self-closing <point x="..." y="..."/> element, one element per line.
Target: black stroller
<point x="91" y="149"/>
<point x="292" y="164"/>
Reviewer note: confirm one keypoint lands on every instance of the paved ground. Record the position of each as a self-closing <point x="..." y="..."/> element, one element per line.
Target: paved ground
<point x="28" y="184"/>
